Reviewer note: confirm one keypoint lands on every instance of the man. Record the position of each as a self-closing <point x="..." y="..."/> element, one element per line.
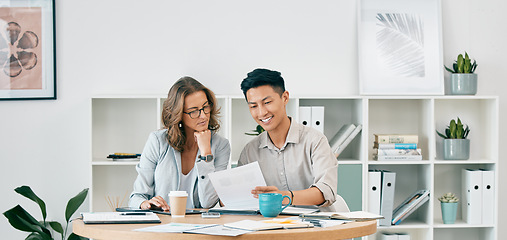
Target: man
<point x="295" y="160"/>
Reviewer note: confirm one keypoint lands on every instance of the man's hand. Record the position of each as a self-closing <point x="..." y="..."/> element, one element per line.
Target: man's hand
<point x="310" y="196"/>
<point x="155" y="203"/>
<point x="265" y="189"/>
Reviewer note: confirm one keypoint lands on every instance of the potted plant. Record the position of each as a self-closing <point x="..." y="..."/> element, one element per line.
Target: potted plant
<point x="449" y="205"/>
<point x="456" y="146"/>
<point x="463" y="79"/>
<point x="258" y="130"/>
<point x="20" y="219"/>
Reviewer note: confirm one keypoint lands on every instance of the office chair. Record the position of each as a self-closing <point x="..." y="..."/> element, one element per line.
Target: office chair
<point x="338" y="206"/>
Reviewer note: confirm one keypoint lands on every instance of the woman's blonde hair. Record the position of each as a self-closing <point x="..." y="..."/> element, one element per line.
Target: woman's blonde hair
<point x="172" y="112"/>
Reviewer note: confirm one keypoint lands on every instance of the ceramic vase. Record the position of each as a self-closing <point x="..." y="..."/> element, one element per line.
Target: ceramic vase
<point x="456" y="149"/>
<point x="463" y="84"/>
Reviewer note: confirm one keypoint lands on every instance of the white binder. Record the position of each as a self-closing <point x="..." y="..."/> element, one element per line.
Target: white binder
<point x="387" y="197"/>
<point x="318" y="118"/>
<point x="403" y="236"/>
<point x="374" y="188"/>
<point x="472" y="196"/>
<point x="389" y="236"/>
<point x="349" y="139"/>
<point x="488" y="197"/>
<point x="341" y="136"/>
<point x="305" y="116"/>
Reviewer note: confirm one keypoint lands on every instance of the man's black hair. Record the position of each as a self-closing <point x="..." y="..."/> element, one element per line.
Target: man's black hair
<point x="261" y="77"/>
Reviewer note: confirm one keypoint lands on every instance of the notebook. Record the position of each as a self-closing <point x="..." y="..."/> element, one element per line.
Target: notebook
<point x="120" y="217"/>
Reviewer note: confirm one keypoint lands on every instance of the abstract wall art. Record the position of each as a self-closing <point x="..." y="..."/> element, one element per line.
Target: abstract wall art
<point x="27" y="50"/>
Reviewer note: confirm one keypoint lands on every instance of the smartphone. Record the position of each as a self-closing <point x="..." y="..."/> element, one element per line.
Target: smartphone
<point x="188" y="211"/>
<point x="131" y="209"/>
<point x="210" y="215"/>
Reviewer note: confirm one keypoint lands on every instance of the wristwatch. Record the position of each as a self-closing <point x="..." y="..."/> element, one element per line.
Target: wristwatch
<point x="206" y="158"/>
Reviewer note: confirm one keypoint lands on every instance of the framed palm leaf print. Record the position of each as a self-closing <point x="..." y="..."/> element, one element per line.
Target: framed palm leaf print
<point x="400" y="47"/>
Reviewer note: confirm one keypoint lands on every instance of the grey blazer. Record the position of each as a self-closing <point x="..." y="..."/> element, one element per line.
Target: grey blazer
<point x="160" y="167"/>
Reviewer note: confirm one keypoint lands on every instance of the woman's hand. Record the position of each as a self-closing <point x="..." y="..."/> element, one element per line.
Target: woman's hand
<point x="155" y="203"/>
<point x="203" y="140"/>
<point x="264" y="189"/>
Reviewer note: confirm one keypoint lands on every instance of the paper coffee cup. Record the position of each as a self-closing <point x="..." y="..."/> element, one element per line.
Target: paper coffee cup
<point x="178" y="203"/>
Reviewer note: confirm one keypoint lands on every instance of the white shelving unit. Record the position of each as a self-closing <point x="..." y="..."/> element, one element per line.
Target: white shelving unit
<point x="122" y="124"/>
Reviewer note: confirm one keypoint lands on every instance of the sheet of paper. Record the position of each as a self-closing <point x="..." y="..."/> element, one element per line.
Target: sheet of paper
<point x="298" y="210"/>
<point x="219" y="230"/>
<point x="174" y="227"/>
<point x="330" y="223"/>
<point x="234" y="186"/>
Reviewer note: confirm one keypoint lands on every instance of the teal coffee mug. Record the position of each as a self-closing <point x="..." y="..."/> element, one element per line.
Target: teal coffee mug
<point x="270" y="204"/>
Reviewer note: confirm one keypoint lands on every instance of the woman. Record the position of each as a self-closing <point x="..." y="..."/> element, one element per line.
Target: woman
<point x="182" y="154"/>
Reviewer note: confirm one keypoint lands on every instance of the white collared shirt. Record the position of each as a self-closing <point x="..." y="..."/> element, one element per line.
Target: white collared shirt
<point x="304" y="161"/>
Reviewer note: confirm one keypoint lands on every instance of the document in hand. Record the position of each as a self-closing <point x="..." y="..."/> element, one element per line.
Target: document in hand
<point x="234" y="186"/>
<point x="354" y="216"/>
<point x="120" y="217"/>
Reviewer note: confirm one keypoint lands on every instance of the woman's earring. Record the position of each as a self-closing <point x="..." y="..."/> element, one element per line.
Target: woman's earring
<point x="179" y="125"/>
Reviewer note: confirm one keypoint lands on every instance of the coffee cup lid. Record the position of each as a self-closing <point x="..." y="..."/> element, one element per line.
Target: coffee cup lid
<point x="178" y="193"/>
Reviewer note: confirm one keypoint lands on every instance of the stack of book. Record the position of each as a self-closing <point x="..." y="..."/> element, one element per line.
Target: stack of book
<point x="388" y="147"/>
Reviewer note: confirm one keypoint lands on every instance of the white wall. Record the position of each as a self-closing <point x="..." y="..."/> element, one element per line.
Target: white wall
<point x="144" y="46"/>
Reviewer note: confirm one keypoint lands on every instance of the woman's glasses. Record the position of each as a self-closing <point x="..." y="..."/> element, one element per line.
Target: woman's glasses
<point x="197" y="113"/>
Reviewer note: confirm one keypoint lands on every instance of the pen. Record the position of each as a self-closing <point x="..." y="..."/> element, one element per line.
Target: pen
<point x="133" y="213"/>
<point x="316" y="223"/>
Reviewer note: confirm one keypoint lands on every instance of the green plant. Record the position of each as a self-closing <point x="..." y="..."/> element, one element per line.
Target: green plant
<point x="20" y="219"/>
<point x="258" y="130"/>
<point x="463" y="65"/>
<point x="455" y="130"/>
<point x="448" y="198"/>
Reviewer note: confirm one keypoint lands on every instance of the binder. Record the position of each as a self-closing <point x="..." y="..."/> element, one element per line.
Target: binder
<point x="305" y="116"/>
<point x="318" y="118"/>
<point x="349" y="139"/>
<point x="374" y="188"/>
<point x="341" y="136"/>
<point x="389" y="236"/>
<point x="387" y="197"/>
<point x="412" y="203"/>
<point x="403" y="236"/>
<point x="422" y="202"/>
<point x="488" y="197"/>
<point x="472" y="196"/>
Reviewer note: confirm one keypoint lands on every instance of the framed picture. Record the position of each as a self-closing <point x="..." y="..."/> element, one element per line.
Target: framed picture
<point x="27" y="50"/>
<point x="400" y="47"/>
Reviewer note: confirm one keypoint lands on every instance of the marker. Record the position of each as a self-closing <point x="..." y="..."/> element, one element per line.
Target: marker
<point x="133" y="213"/>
